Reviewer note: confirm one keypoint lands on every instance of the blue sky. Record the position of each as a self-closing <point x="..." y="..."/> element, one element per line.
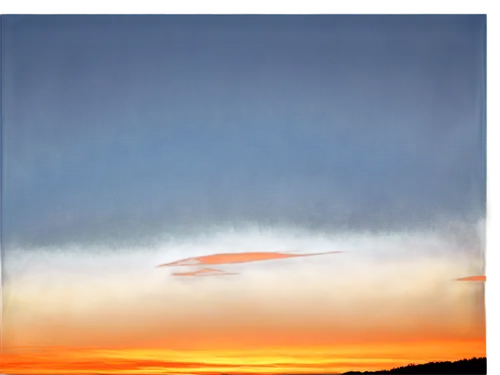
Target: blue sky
<point x="125" y="128"/>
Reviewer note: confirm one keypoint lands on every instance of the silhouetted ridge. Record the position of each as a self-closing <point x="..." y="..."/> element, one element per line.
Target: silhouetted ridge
<point x="475" y="366"/>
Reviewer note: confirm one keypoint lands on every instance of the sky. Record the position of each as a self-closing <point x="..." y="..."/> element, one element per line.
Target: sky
<point x="133" y="141"/>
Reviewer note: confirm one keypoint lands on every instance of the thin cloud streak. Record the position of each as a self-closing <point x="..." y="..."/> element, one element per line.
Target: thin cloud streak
<point x="207" y="265"/>
<point x="231" y="258"/>
<point x="472" y="278"/>
<point x="205" y="272"/>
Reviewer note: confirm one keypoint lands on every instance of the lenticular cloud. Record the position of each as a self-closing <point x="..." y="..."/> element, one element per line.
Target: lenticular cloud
<point x="209" y="264"/>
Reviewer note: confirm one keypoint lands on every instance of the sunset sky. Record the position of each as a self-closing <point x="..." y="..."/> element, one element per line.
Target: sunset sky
<point x="130" y="142"/>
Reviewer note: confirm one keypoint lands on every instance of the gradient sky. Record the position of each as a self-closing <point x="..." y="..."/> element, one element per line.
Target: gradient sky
<point x="134" y="141"/>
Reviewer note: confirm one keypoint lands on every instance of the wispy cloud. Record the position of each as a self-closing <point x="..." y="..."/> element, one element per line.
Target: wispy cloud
<point x="246" y="257"/>
<point x="203" y="265"/>
<point x="205" y="272"/>
<point x="472" y="278"/>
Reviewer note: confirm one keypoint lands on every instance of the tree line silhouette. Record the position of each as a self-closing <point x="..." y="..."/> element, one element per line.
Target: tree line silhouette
<point x="472" y="366"/>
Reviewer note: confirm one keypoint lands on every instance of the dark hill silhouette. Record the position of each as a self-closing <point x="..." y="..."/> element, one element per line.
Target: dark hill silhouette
<point x="475" y="366"/>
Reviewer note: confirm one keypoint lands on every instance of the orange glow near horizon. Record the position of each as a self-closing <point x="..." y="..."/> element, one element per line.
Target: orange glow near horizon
<point x="116" y="315"/>
<point x="297" y="360"/>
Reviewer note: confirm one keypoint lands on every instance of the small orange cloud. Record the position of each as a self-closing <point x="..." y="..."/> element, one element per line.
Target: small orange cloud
<point x="472" y="278"/>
